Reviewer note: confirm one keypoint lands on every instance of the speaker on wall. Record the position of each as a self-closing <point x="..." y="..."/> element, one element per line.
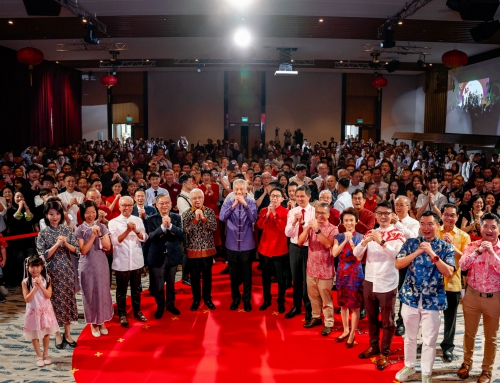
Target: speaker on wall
<point x="42" y="7"/>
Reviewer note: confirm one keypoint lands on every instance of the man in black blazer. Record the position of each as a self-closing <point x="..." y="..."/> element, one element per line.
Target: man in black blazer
<point x="164" y="253"/>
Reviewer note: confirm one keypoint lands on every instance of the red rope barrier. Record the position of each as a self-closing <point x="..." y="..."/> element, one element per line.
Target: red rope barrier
<point x="21" y="236"/>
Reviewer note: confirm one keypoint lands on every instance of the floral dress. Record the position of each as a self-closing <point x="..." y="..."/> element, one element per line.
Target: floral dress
<point x="61" y="272"/>
<point x="40" y="319"/>
<point x="350" y="275"/>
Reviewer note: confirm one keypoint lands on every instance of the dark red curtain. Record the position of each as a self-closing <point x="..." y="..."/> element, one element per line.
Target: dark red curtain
<point x="48" y="113"/>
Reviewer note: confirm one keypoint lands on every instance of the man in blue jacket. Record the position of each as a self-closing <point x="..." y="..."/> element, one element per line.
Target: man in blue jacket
<point x="239" y="213"/>
<point x="164" y="254"/>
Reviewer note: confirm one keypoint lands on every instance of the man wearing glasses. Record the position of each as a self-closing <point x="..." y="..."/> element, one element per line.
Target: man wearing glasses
<point x="381" y="245"/>
<point x="127" y="233"/>
<point x="459" y="239"/>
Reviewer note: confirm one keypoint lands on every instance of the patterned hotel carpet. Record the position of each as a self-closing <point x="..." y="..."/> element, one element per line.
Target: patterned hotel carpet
<point x="18" y="362"/>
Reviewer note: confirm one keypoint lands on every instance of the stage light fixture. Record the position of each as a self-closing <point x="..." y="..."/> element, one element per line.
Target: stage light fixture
<point x="242" y="38"/>
<point x="89" y="37"/>
<point x="421" y="62"/>
<point x="388" y="39"/>
<point x="10" y="22"/>
<point x="485" y="30"/>
<point x="392" y="66"/>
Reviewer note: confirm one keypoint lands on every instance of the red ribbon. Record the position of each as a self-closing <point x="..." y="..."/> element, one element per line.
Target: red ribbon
<point x="21" y="236"/>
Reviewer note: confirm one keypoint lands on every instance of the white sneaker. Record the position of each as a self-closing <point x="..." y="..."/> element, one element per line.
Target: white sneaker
<point x="426" y="379"/>
<point x="95" y="331"/>
<point x="405" y="373"/>
<point x="4" y="291"/>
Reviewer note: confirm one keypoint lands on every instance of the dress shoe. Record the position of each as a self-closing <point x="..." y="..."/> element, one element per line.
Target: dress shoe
<point x="186" y="281"/>
<point x="350" y="345"/>
<point x="264" y="306"/>
<point x="326" y="331"/>
<point x="195" y="306"/>
<point x="368" y="353"/>
<point x="234" y="305"/>
<point x="463" y="371"/>
<point x="210" y="305"/>
<point x="61" y="345"/>
<point x="225" y="271"/>
<point x="174" y="310"/>
<point x="400" y="329"/>
<point x="70" y="344"/>
<point x="485" y="377"/>
<point x="341" y="338"/>
<point x="140" y="317"/>
<point x="123" y="321"/>
<point x="313" y="322"/>
<point x="382" y="363"/>
<point x="158" y="313"/>
<point x="338" y="310"/>
<point x="247" y="306"/>
<point x="448" y="356"/>
<point x="281" y="308"/>
<point x="292" y="313"/>
<point x="362" y="313"/>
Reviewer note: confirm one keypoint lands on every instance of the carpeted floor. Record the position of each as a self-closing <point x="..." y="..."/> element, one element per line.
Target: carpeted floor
<point x="206" y="346"/>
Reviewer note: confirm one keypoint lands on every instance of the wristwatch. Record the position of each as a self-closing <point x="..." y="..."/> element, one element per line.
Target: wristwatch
<point x="435" y="259"/>
<point x="319" y="231"/>
<point x="382" y="242"/>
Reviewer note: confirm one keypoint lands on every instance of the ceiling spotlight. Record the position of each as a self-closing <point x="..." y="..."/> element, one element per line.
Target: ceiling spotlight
<point x="341" y="61"/>
<point x="389" y="39"/>
<point x="242" y="38"/>
<point x="400" y="22"/>
<point x="320" y="20"/>
<point x="57" y="62"/>
<point x="10" y="22"/>
<point x="147" y="60"/>
<point x="392" y="66"/>
<point x="89" y="37"/>
<point x="100" y="61"/>
<point x="430" y="64"/>
<point x="421" y="62"/>
<point x="198" y="70"/>
<point x="485" y="30"/>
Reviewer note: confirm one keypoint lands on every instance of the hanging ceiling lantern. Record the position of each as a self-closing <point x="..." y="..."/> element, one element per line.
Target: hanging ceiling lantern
<point x="454" y="59"/>
<point x="109" y="80"/>
<point x="30" y="56"/>
<point x="379" y="82"/>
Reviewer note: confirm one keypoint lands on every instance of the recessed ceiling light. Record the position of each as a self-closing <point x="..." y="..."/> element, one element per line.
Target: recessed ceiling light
<point x="196" y="60"/>
<point x="10" y="22"/>
<point x="291" y="60"/>
<point x="57" y="62"/>
<point x="147" y="60"/>
<point x="387" y="62"/>
<point x="100" y="61"/>
<point x="341" y="61"/>
<point x="242" y="38"/>
<point x="164" y="19"/>
<point x="430" y="64"/>
<point x="84" y="20"/>
<point x="400" y="22"/>
<point x="320" y="20"/>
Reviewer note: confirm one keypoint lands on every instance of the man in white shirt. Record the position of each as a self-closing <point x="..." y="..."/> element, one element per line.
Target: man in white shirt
<point x="382" y="245"/>
<point x="344" y="199"/>
<point x="433" y="200"/>
<point x="323" y="175"/>
<point x="355" y="182"/>
<point x="377" y="180"/>
<point x="297" y="220"/>
<point x="155" y="189"/>
<point x="127" y="232"/>
<point x="300" y="175"/>
<point x="410" y="228"/>
<point x="183" y="200"/>
<point x="71" y="199"/>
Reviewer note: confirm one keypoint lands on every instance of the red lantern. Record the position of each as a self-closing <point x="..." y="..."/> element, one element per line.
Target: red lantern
<point x="455" y="59"/>
<point x="109" y="80"/>
<point x="30" y="56"/>
<point x="379" y="82"/>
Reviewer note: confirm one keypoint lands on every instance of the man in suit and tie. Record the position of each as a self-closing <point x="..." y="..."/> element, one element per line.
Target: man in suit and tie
<point x="164" y="254"/>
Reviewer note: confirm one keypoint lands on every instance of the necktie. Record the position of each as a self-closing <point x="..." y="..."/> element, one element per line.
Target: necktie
<point x="156" y="193"/>
<point x="301" y="228"/>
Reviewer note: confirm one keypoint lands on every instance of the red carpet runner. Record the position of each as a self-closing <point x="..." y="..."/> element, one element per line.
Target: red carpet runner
<point x="223" y="346"/>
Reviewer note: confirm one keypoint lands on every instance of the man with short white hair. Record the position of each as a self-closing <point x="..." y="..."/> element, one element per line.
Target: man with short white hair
<point x="240" y="213"/>
<point x="127" y="232"/>
<point x="322" y="177"/>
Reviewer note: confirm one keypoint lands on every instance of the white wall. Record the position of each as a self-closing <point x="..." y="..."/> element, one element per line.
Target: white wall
<point x="309" y="101"/>
<point x="187" y="104"/>
<point x="403" y="105"/>
<point x="94" y="120"/>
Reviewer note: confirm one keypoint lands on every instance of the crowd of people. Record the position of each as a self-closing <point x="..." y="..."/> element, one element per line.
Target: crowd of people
<point x="376" y="222"/>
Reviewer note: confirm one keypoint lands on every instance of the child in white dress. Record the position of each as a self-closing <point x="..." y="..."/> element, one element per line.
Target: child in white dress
<point x="40" y="321"/>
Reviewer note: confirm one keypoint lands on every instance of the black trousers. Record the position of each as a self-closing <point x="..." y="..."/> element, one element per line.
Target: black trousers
<point x="279" y="264"/>
<point x="383" y="303"/>
<point x="402" y="276"/>
<point x="450" y="320"/>
<point x="161" y="275"/>
<point x="240" y="269"/>
<point x="197" y="267"/>
<point x="185" y="262"/>
<point x="122" y="280"/>
<point x="298" y="264"/>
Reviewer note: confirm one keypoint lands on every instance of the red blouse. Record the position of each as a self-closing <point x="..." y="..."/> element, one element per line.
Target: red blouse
<point x="273" y="242"/>
<point x="211" y="201"/>
<point x="116" y="209"/>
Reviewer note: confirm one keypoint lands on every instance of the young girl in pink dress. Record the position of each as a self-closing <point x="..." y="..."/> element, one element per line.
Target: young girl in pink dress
<point x="40" y="321"/>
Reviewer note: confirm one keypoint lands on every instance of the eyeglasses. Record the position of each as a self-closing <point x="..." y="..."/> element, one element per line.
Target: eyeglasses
<point x="321" y="212"/>
<point x="275" y="196"/>
<point x="400" y="205"/>
<point x="383" y="213"/>
<point x="127" y="205"/>
<point x="449" y="215"/>
<point x="163" y="203"/>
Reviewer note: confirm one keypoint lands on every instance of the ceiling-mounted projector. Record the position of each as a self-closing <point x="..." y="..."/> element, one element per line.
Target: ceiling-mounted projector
<point x="286" y="73"/>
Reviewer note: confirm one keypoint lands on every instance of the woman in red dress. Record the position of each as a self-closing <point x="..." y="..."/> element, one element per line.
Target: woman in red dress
<point x="372" y="199"/>
<point x="113" y="202"/>
<point x="211" y="192"/>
